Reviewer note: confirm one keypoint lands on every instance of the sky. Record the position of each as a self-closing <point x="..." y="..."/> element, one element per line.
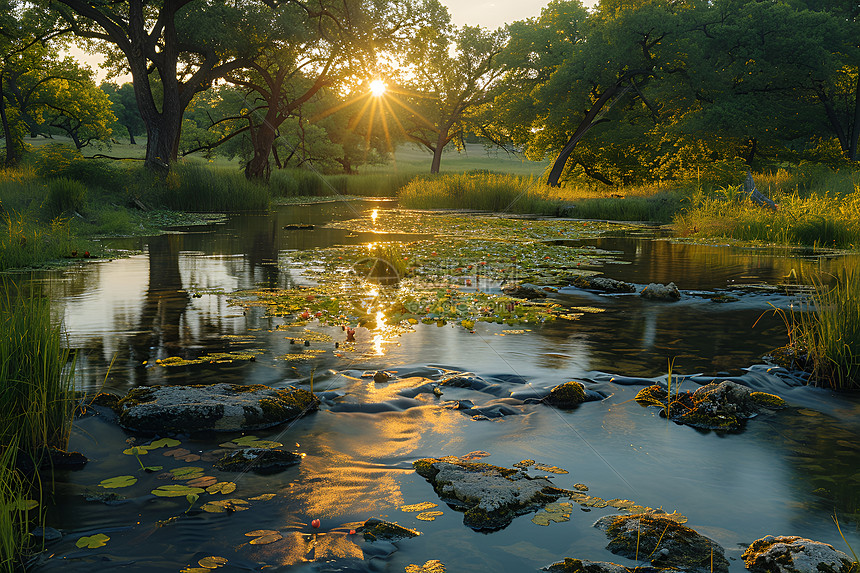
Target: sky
<point x="492" y="13"/>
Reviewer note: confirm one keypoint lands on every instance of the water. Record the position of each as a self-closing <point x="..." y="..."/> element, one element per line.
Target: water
<point x="787" y="473"/>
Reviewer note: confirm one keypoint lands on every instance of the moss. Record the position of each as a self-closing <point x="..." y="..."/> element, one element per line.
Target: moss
<point x="265" y="461"/>
<point x="702" y="419"/>
<point x="482" y="520"/>
<point x="569" y="565"/>
<point x="424" y="468"/>
<point x="766" y="400"/>
<point x="652" y="396"/>
<point x="567" y="395"/>
<point x="636" y="536"/>
<point x="378" y="529"/>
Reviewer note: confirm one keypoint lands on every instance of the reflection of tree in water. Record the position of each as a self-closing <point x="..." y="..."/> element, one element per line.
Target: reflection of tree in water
<point x="164" y="305"/>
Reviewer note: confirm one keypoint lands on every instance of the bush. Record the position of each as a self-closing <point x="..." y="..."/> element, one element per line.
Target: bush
<point x="64" y="195"/>
<point x="56" y="160"/>
<point x="199" y="188"/>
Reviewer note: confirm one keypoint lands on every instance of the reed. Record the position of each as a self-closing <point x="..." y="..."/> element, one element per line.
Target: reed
<point x="197" y="187"/>
<point x="14" y="514"/>
<point x="830" y="335"/>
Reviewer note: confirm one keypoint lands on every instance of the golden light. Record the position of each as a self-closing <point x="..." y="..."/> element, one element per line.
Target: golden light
<point x="373" y="215"/>
<point x="377" y="87"/>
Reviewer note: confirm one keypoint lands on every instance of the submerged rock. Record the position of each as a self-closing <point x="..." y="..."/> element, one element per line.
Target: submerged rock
<point x="258" y="460"/>
<point x="716" y="406"/>
<point x="523" y="291"/>
<point x="377" y="529"/>
<point x="665" y="542"/>
<point x="567" y="395"/>
<point x="218" y="407"/>
<point x="571" y="565"/>
<point x="492" y="496"/>
<point x="656" y="291"/>
<point x="602" y="284"/>
<point x="793" y="554"/>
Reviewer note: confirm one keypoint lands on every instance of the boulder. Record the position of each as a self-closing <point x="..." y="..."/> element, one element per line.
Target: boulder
<point x="566" y="395"/>
<point x="716" y="406"/>
<point x="654" y="291"/>
<point x="793" y="554"/>
<point x="523" y="291"/>
<point x="660" y="538"/>
<point x="217" y="407"/>
<point x="602" y="284"/>
<point x="258" y="460"/>
<point x="491" y="496"/>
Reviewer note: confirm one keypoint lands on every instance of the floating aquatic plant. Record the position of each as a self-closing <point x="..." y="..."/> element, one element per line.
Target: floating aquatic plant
<point x="93" y="541"/>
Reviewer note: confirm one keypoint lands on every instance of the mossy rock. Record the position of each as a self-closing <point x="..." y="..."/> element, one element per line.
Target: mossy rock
<point x="571" y="565"/>
<point x="218" y="408"/>
<point x="793" y="554"/>
<point x="653" y="395"/>
<point x="667" y="543"/>
<point x="258" y="460"/>
<point x="566" y="395"/>
<point x="765" y="400"/>
<point x="791" y="358"/>
<point x="490" y="496"/>
<point x="602" y="284"/>
<point x="377" y="529"/>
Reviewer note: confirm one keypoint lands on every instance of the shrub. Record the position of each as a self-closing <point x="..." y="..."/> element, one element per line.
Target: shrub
<point x="64" y="195"/>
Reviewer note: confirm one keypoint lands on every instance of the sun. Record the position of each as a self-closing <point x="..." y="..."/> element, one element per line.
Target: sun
<point x="377" y="87"/>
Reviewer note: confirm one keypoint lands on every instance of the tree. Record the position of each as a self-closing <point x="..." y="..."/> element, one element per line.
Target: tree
<point x="124" y="108"/>
<point x="446" y="76"/>
<point x="186" y="44"/>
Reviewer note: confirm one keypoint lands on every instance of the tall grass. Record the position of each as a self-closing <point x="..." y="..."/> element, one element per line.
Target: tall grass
<point x="830" y="335"/>
<point x="304" y="183"/>
<point x="480" y="191"/>
<point x="822" y="211"/>
<point x="199" y="188"/>
<point x="36" y="393"/>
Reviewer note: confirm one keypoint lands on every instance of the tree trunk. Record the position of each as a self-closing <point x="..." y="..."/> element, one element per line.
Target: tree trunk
<point x="855" y="126"/>
<point x="11" y="158"/>
<point x="441" y="141"/>
<point x="262" y="138"/>
<point x="130" y="136"/>
<point x="589" y="121"/>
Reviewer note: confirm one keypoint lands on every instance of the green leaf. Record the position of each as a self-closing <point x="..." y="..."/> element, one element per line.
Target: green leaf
<point x="186" y="472"/>
<point x="169" y="442"/>
<point x="176" y="490"/>
<point x="118" y="481"/>
<point x="93" y="541"/>
<point x="136" y="451"/>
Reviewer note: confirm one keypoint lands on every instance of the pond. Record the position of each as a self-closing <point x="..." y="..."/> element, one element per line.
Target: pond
<point x="188" y="310"/>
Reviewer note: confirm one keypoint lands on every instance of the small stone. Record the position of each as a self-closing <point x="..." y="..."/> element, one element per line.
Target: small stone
<point x="794" y="554"/>
<point x="380" y="377"/>
<point x="258" y="460"/>
<point x="668" y="293"/>
<point x="377" y="529"/>
<point x="566" y="395"/>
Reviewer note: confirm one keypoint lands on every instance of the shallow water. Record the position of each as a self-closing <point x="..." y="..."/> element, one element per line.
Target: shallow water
<point x="786" y="473"/>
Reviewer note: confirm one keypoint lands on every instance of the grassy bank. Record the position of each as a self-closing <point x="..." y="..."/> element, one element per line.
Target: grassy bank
<point x="37" y="391"/>
<point x="816" y="208"/>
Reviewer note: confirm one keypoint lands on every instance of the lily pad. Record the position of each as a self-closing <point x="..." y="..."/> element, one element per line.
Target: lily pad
<point x="186" y="472"/>
<point x="225" y="505"/>
<point x="212" y="562"/>
<point x="21" y="504"/>
<point x="263" y="497"/>
<point x="93" y="541"/>
<point x="429" y="515"/>
<point x="423" y="506"/>
<point x="223" y="487"/>
<point x="203" y="482"/>
<point x="176" y="490"/>
<point x="264" y="536"/>
<point x="117" y="482"/>
<point x="163" y="442"/>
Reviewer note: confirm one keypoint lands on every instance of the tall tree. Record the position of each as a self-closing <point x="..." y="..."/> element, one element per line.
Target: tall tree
<point x="447" y="74"/>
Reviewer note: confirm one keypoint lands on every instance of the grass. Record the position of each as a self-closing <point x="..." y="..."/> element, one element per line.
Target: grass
<point x="819" y="209"/>
<point x="830" y="336"/>
<point x="37" y="392"/>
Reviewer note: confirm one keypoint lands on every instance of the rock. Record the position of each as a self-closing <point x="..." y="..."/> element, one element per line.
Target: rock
<point x="377" y="529"/>
<point x="667" y="543"/>
<point x="258" y="460"/>
<point x="571" y="565"/>
<point x="492" y="496"/>
<point x="516" y="290"/>
<point x="793" y="554"/>
<point x="668" y="293"/>
<point x="106" y="400"/>
<point x="602" y="284"/>
<point x="46" y="534"/>
<point x="566" y="395"/>
<point x="49" y="458"/>
<point x="381" y="376"/>
<point x="218" y="407"/>
<point x="716" y="406"/>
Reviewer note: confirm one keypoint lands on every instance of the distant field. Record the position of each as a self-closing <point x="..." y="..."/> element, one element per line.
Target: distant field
<point x="407" y="158"/>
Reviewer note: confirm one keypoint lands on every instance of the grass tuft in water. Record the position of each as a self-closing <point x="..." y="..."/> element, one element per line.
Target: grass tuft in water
<point x="830" y="336"/>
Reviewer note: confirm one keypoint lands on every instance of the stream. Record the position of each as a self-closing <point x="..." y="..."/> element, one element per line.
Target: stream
<point x="786" y="473"/>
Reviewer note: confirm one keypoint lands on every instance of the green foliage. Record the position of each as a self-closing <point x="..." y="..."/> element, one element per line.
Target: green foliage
<point x="195" y="187"/>
<point x="14" y="518"/>
<point x="65" y="195"/>
<point x="830" y="336"/>
<point x="55" y="160"/>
